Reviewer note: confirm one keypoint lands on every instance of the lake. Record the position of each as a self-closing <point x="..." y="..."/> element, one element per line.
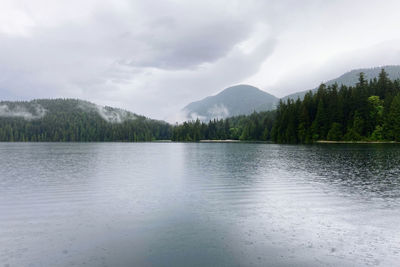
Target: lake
<point x="199" y="204"/>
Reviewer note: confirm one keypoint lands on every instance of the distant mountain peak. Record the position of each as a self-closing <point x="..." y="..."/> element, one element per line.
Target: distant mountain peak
<point x="236" y="100"/>
<point x="239" y="87"/>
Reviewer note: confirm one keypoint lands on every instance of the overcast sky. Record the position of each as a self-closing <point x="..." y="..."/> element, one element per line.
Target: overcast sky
<point x="154" y="57"/>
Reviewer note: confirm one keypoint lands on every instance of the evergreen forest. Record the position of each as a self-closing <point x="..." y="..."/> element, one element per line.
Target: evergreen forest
<point x="69" y="120"/>
<point x="367" y="111"/>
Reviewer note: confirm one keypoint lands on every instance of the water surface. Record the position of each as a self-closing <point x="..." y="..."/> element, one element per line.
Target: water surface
<point x="173" y="204"/>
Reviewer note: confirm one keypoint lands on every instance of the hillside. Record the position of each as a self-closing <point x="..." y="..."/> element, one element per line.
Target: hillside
<point x="75" y="120"/>
<point x="351" y="78"/>
<point x="233" y="101"/>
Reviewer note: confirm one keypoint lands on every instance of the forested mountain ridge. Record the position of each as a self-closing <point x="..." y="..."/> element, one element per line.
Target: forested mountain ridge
<point x="232" y="101"/>
<point x="75" y="120"/>
<point x="368" y="111"/>
<point x="351" y="78"/>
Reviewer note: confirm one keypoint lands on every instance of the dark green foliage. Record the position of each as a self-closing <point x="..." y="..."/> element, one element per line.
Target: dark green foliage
<point x="335" y="133"/>
<point x="255" y="127"/>
<point x="320" y="125"/>
<point x="393" y="120"/>
<point x="75" y="120"/>
<point x="370" y="110"/>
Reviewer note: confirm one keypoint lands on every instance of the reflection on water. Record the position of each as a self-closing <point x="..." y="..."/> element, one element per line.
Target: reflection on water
<point x="168" y="204"/>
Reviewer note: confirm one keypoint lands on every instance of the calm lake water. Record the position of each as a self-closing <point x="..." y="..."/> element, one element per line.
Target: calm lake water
<point x="174" y="204"/>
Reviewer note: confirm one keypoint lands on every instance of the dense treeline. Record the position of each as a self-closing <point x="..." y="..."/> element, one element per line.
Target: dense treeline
<point x="255" y="127"/>
<point x="368" y="111"/>
<point x="75" y="120"/>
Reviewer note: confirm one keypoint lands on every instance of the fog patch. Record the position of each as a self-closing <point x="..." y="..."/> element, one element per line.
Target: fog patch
<point x="109" y="114"/>
<point x="186" y="115"/>
<point x="194" y="116"/>
<point x="114" y="115"/>
<point x="32" y="112"/>
<point x="218" y="112"/>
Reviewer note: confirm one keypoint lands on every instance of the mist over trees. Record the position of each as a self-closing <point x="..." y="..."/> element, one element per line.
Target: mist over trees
<point x="70" y="120"/>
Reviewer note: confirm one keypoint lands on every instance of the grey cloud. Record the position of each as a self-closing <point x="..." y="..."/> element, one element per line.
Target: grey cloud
<point x="73" y="58"/>
<point x="204" y="44"/>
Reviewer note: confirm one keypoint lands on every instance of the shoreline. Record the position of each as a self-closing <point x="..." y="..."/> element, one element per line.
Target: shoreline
<point x="219" y="141"/>
<point x="355" y="142"/>
<point x="212" y="141"/>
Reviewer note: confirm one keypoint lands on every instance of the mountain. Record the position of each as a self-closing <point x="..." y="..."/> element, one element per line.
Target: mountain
<point x="351" y="78"/>
<point x="235" y="100"/>
<point x="75" y="120"/>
